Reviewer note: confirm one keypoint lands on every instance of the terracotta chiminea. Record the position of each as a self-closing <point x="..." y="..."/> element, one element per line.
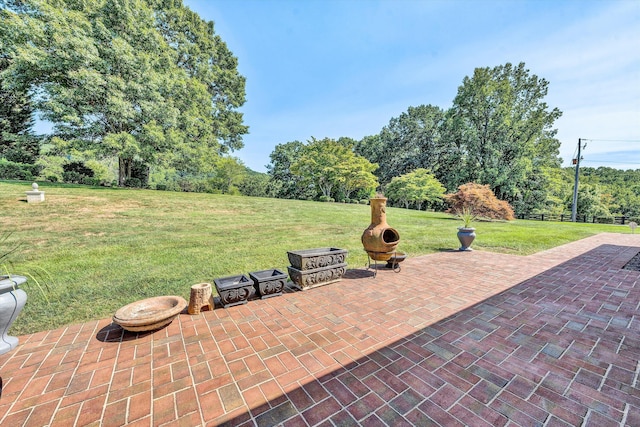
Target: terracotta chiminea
<point x="379" y="240"/>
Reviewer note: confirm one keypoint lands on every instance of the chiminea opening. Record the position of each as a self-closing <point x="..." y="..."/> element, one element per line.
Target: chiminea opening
<point x="390" y="235"/>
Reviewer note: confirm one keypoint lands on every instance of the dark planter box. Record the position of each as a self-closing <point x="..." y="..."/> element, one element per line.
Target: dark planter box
<point x="310" y="259"/>
<point x="306" y="279"/>
<point x="269" y="283"/>
<point x="234" y="290"/>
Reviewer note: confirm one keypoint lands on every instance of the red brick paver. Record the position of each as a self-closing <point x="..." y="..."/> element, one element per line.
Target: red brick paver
<point x="477" y="338"/>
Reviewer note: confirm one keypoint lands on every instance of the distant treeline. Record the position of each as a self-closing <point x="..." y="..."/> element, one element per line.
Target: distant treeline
<point x="143" y="93"/>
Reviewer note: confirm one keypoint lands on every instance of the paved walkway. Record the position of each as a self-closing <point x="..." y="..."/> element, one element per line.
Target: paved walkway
<point x="479" y="339"/>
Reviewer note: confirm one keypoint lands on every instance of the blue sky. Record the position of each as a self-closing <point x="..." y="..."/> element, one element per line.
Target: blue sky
<point x="335" y="68"/>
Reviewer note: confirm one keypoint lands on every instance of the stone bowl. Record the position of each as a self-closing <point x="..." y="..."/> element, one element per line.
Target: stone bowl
<point x="396" y="259"/>
<point x="149" y="314"/>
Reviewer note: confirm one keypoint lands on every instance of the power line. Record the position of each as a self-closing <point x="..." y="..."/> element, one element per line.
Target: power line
<point x="612" y="140"/>
<point x="606" y="161"/>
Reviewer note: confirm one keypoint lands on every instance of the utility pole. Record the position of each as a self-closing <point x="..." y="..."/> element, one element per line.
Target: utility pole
<point x="574" y="207"/>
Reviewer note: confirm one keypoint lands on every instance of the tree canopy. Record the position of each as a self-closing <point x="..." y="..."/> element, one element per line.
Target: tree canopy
<point x="140" y="80"/>
<point x="330" y="166"/>
<point x="498" y="132"/>
<point x="504" y="127"/>
<point x="408" y="142"/>
<point x="17" y="143"/>
<point x="287" y="184"/>
<point x="418" y="187"/>
<point x="618" y="190"/>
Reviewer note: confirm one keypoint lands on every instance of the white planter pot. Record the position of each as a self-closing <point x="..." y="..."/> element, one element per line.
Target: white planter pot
<point x="12" y="300"/>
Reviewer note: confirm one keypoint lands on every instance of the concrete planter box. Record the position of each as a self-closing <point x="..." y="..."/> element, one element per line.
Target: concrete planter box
<point x="309" y="259"/>
<point x="306" y="279"/>
<point x="269" y="283"/>
<point x="234" y="290"/>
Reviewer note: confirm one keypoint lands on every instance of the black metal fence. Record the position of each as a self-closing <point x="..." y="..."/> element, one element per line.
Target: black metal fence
<point x="622" y="220"/>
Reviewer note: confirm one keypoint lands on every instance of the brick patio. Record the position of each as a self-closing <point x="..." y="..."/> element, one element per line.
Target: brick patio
<point x="478" y="338"/>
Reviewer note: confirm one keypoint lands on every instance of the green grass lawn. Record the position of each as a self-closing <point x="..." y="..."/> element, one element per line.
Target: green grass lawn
<point x="105" y="248"/>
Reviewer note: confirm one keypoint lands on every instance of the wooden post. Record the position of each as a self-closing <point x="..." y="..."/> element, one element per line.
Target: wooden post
<point x="574" y="205"/>
<point x="200" y="299"/>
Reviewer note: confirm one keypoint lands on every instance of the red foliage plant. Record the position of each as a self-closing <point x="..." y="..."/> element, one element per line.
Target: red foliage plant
<point x="481" y="200"/>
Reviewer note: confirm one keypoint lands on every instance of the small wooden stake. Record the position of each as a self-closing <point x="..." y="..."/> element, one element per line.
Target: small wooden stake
<point x="200" y="299"/>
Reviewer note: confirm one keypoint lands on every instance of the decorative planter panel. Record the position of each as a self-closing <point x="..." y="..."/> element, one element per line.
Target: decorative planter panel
<point x="306" y="279"/>
<point x="12" y="300"/>
<point x="309" y="259"/>
<point x="234" y="290"/>
<point x="269" y="283"/>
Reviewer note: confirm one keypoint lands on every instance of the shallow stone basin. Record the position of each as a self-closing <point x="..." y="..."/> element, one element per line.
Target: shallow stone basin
<point x="149" y="314"/>
<point x="396" y="259"/>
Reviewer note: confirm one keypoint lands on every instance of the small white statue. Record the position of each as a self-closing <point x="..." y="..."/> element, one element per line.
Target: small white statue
<point x="35" y="195"/>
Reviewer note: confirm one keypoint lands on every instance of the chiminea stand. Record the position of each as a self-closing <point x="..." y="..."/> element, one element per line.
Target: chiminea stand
<point x="393" y="263"/>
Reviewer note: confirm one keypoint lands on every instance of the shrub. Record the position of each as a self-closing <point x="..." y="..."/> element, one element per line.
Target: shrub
<point x="324" y="198"/>
<point x="133" y="183"/>
<point x="51" y="168"/>
<point x="139" y="171"/>
<point x="76" y="173"/>
<point x="13" y="170"/>
<point x="481" y="200"/>
<point x="605" y="220"/>
<point x="101" y="172"/>
<point x="90" y="181"/>
<point x="364" y="202"/>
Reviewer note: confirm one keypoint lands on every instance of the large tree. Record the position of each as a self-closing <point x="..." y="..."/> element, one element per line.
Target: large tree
<point x="503" y="128"/>
<point x="134" y="79"/>
<point x="17" y="142"/>
<point x="329" y="165"/>
<point x="230" y="173"/>
<point x="288" y="185"/>
<point x="357" y="175"/>
<point x="419" y="186"/>
<point x="408" y="142"/>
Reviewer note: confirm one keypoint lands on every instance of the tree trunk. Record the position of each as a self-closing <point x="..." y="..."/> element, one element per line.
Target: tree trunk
<point x="124" y="170"/>
<point x="121" y="170"/>
<point x="348" y="193"/>
<point x="326" y="189"/>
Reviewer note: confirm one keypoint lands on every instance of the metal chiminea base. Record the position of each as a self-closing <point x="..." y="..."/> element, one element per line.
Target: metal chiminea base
<point x="393" y="262"/>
